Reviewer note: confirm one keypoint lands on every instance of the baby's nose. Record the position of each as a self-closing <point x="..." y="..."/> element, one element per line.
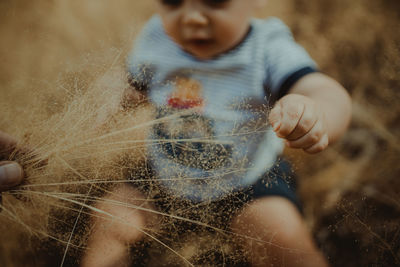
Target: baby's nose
<point x="194" y="17"/>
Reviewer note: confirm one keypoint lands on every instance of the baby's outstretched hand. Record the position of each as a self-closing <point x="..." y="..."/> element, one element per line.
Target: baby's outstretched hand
<point x="301" y="122"/>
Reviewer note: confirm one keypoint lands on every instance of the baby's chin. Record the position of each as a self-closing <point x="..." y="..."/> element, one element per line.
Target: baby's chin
<point x="204" y="55"/>
<point x="203" y="50"/>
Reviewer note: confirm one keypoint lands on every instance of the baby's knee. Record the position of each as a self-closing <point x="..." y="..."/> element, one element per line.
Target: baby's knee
<point x="121" y="215"/>
<point x="271" y="220"/>
<point x="274" y="233"/>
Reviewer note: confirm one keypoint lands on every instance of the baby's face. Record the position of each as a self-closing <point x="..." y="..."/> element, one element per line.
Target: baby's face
<point x="207" y="28"/>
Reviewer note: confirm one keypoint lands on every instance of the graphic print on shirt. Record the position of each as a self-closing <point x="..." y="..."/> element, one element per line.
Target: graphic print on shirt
<point x="189" y="139"/>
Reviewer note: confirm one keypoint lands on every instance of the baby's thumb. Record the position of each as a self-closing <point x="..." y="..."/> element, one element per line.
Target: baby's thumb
<point x="275" y="117"/>
<point x="11" y="174"/>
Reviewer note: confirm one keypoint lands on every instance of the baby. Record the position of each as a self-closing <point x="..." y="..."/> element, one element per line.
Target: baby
<point x="210" y="69"/>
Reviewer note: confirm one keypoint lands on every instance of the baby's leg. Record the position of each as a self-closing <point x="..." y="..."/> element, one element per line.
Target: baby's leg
<point x="284" y="238"/>
<point x="121" y="224"/>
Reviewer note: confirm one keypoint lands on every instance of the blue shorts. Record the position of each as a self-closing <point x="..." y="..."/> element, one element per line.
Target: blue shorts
<point x="278" y="181"/>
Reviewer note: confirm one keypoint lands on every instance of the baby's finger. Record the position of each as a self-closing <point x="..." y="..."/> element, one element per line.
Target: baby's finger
<point x="291" y="115"/>
<point x="275" y="117"/>
<point x="320" y="146"/>
<point x="309" y="139"/>
<point x="306" y="123"/>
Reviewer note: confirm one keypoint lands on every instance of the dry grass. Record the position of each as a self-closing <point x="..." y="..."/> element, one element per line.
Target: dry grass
<point x="62" y="74"/>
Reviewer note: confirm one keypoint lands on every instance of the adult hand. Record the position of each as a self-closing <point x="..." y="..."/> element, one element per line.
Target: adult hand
<point x="11" y="173"/>
<point x="300" y="121"/>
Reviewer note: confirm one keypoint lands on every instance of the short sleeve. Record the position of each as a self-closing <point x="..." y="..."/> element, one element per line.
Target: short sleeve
<point x="140" y="72"/>
<point x="286" y="60"/>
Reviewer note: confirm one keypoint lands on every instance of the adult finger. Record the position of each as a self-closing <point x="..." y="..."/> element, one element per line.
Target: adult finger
<point x="306" y="123"/>
<point x="309" y="139"/>
<point x="11" y="174"/>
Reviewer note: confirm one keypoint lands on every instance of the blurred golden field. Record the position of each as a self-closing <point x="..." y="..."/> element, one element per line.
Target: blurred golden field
<point x="64" y="58"/>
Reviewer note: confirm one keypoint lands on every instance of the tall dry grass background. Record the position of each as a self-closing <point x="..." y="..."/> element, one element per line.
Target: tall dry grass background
<point x="62" y="73"/>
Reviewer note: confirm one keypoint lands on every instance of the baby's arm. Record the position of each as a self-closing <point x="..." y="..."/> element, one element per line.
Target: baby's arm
<point x="316" y="112"/>
<point x="134" y="95"/>
<point x="132" y="98"/>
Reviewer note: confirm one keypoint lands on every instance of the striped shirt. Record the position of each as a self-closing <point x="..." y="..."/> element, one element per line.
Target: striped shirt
<point x="212" y="135"/>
